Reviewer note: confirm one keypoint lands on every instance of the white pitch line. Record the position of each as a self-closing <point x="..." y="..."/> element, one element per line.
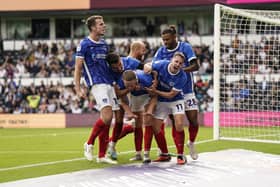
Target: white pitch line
<point x="41" y="164"/>
<point x="48" y="134"/>
<point x="36" y="152"/>
<point x="82" y="158"/>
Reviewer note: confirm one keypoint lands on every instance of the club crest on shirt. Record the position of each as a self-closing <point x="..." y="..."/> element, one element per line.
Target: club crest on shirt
<point x="93" y="56"/>
<point x="171" y="84"/>
<point x="105" y="100"/>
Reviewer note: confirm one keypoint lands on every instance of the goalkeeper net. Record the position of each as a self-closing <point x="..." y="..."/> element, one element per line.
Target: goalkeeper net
<point x="247" y="74"/>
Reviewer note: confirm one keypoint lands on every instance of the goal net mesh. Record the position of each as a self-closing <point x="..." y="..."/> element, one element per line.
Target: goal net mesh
<point x="249" y="75"/>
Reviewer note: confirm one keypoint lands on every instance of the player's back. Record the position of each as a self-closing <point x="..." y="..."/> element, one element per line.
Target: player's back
<point x="144" y="80"/>
<point x="128" y="63"/>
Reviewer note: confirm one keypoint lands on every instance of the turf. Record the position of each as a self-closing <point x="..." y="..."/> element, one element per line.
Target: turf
<point x="20" y="147"/>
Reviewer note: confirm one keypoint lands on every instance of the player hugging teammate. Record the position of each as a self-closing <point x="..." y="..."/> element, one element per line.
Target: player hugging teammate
<point x="113" y="79"/>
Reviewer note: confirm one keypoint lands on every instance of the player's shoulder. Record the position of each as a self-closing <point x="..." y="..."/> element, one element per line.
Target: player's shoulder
<point x="161" y="49"/>
<point x="83" y="44"/>
<point x="186" y="45"/>
<point x="133" y="60"/>
<point x="141" y="75"/>
<point x="161" y="62"/>
<point x="130" y="61"/>
<point x="159" y="65"/>
<point x="102" y="41"/>
<point x="85" y="41"/>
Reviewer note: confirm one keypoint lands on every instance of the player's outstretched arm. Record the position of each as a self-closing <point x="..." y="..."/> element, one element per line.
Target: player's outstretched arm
<point x="120" y="92"/>
<point x="126" y="108"/>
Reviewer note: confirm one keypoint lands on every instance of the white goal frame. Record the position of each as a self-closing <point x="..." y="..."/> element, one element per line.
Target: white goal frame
<point x="217" y="74"/>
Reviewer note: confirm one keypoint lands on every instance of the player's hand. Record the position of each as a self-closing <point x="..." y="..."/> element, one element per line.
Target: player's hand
<point x="148" y="68"/>
<point x="155" y="83"/>
<point x="131" y="116"/>
<point x="151" y="90"/>
<point x="80" y="93"/>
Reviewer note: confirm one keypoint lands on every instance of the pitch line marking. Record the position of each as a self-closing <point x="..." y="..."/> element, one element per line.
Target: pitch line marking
<point x="47" y="134"/>
<point x="82" y="158"/>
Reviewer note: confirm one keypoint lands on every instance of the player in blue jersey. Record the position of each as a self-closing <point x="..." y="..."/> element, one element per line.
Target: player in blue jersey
<point x="140" y="102"/>
<point x="171" y="45"/>
<point x="117" y="66"/>
<point x="171" y="81"/>
<point x="91" y="63"/>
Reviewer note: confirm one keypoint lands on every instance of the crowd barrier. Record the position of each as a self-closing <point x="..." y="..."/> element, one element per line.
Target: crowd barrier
<point x="54" y="120"/>
<point x="235" y="119"/>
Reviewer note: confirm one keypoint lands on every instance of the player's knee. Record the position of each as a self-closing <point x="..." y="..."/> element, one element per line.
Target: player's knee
<point x="193" y="122"/>
<point x="179" y="126"/>
<point x="107" y="115"/>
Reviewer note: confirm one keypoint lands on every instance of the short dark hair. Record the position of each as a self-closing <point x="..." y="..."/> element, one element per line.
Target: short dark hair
<point x="91" y="21"/>
<point x="171" y="29"/>
<point x="129" y="75"/>
<point x="112" y="58"/>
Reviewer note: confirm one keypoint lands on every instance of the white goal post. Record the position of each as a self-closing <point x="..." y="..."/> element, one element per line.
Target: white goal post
<point x="246" y="75"/>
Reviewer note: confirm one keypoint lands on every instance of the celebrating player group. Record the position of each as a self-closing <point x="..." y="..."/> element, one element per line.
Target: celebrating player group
<point x="125" y="87"/>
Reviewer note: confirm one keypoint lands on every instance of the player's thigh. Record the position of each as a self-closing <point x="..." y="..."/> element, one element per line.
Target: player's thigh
<point x="103" y="96"/>
<point x="106" y="101"/>
<point x="192" y="116"/>
<point x="190" y="102"/>
<point x="119" y="116"/>
<point x="177" y="107"/>
<point x="138" y="103"/>
<point x="162" y="110"/>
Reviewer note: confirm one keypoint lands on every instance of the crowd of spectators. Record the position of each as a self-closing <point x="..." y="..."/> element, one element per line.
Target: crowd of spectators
<point x="57" y="60"/>
<point x="250" y="58"/>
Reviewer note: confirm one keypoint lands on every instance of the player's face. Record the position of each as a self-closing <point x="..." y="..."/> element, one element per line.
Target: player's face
<point x="100" y="27"/>
<point x="118" y="68"/>
<point x="177" y="63"/>
<point x="169" y="40"/>
<point x="130" y="85"/>
<point x="141" y="52"/>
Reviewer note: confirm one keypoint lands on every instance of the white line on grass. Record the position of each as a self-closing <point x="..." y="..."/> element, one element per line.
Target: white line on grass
<point x="36" y="152"/>
<point x="47" y="134"/>
<point x="82" y="158"/>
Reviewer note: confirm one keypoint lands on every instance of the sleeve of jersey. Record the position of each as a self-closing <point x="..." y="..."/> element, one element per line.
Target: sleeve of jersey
<point x="157" y="56"/>
<point x="80" y="52"/>
<point x="189" y="51"/>
<point x="135" y="64"/>
<point x="156" y="66"/>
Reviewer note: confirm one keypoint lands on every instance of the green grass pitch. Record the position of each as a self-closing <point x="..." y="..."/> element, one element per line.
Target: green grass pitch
<point x="22" y="149"/>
